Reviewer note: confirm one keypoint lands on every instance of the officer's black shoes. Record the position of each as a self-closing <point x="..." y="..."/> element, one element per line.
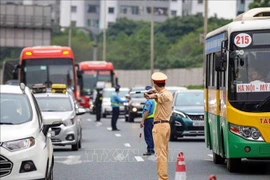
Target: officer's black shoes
<point x="148" y="154"/>
<point x="115" y="129"/>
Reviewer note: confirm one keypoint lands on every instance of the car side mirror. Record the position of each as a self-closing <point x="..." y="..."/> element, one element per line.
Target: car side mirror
<point x="52" y="121"/>
<point x="81" y="111"/>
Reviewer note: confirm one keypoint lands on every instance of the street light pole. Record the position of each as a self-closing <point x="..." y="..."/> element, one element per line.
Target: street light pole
<point x="205" y="18"/>
<point x="70" y="26"/>
<point x="104" y="32"/>
<point x="204" y="34"/>
<point x="152" y="38"/>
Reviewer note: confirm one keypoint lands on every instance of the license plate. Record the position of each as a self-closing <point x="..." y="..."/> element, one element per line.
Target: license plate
<point x="199" y="123"/>
<point x="52" y="133"/>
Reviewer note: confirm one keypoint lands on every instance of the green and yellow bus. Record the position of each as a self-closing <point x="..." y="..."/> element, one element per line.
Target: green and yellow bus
<point x="237" y="89"/>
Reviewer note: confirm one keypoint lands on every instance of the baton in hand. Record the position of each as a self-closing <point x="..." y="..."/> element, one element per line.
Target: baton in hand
<point x="140" y="136"/>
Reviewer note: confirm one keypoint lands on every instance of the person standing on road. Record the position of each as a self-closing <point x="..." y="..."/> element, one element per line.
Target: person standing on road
<point x="161" y="131"/>
<point x="98" y="104"/>
<point x="115" y="103"/>
<point x="147" y="122"/>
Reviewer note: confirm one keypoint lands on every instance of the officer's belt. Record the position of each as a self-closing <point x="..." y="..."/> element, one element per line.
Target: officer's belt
<point x="160" y="121"/>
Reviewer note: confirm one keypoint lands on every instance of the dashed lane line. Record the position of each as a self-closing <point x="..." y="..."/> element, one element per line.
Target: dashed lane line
<point x="127" y="145"/>
<point x="138" y="158"/>
<point x="118" y="135"/>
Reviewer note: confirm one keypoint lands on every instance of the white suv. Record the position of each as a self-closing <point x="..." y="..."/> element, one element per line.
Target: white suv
<point x="26" y="150"/>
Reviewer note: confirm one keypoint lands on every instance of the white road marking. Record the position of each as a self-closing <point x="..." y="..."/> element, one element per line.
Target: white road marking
<point x="98" y="124"/>
<point x="118" y="135"/>
<point x="123" y="120"/>
<point x="89" y="120"/>
<point x="127" y="145"/>
<point x="109" y="128"/>
<point x="210" y="155"/>
<point x="138" y="158"/>
<point x="69" y="160"/>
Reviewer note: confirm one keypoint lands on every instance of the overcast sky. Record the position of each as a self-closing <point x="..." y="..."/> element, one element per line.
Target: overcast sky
<point x="223" y="8"/>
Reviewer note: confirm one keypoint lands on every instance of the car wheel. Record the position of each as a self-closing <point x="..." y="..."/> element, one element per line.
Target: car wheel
<point x="233" y="164"/>
<point x="75" y="147"/>
<point x="173" y="137"/>
<point x="51" y="175"/>
<point x="218" y="159"/>
<point x="104" y="115"/>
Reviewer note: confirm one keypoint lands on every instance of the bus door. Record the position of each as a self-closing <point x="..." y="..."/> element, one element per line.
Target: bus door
<point x="219" y="125"/>
<point x="214" y="107"/>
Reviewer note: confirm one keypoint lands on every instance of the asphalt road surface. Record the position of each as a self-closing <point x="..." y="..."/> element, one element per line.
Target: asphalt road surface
<point x="117" y="155"/>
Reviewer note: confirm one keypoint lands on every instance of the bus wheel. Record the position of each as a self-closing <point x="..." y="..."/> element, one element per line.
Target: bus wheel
<point x="233" y="164"/>
<point x="218" y="159"/>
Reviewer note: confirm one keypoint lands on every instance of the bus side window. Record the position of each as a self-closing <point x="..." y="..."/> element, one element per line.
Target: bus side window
<point x="208" y="71"/>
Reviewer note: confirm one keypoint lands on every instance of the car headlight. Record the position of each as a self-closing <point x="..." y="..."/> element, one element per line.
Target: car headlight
<point x="19" y="144"/>
<point x="135" y="104"/>
<point x="249" y="133"/>
<point x="69" y="122"/>
<point x="178" y="113"/>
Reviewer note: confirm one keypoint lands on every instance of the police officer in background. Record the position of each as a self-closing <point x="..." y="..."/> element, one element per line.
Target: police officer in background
<point x="147" y="122"/>
<point x="115" y="103"/>
<point x="161" y="131"/>
<point x="98" y="100"/>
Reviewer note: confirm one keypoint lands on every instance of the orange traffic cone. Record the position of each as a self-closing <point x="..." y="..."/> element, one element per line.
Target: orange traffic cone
<point x="212" y="177"/>
<point x="180" y="173"/>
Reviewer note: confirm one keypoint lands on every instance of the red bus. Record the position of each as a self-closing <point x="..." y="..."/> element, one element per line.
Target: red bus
<point x="48" y="65"/>
<point x="92" y="72"/>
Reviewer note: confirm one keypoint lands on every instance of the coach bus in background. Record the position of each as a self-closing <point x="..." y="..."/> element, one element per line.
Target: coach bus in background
<point x="48" y="65"/>
<point x="237" y="89"/>
<point x="92" y="72"/>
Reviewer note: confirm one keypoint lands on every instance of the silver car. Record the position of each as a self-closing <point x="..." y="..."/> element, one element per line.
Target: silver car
<point x="106" y="101"/>
<point x="63" y="105"/>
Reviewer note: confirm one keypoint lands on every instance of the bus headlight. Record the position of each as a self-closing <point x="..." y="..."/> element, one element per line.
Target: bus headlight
<point x="249" y="133"/>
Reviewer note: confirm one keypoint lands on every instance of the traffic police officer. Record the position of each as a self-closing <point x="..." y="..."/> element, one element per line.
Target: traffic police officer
<point x="115" y="103"/>
<point x="161" y="131"/>
<point x="147" y="122"/>
<point x="98" y="99"/>
<point x="98" y="104"/>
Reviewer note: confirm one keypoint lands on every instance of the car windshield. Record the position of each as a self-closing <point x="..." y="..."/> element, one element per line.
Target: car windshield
<point x="54" y="104"/>
<point x="122" y="93"/>
<point x="189" y="99"/>
<point x="15" y="109"/>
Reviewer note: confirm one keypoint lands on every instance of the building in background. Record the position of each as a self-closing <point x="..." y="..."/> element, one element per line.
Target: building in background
<point x="242" y="6"/>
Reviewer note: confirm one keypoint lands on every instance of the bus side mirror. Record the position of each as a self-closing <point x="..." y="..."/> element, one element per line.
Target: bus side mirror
<point x="220" y="61"/>
<point x="79" y="74"/>
<point x="15" y="71"/>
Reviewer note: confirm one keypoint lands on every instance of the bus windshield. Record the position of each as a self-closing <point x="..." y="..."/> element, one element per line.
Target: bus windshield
<point x="249" y="77"/>
<point x="90" y="78"/>
<point x="51" y="71"/>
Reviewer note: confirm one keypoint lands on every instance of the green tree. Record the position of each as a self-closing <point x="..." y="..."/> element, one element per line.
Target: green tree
<point x="259" y="3"/>
<point x="81" y="44"/>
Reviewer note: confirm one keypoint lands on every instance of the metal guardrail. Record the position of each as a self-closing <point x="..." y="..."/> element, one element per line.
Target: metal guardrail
<point x="25" y="21"/>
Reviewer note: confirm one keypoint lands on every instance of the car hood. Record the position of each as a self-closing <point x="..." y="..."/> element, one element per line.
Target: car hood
<point x="15" y="132"/>
<point x="139" y="100"/>
<point x="63" y="115"/>
<point x="190" y="109"/>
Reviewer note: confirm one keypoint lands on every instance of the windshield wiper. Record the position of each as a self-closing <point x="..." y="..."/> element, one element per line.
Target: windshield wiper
<point x="261" y="104"/>
<point x="6" y="123"/>
<point x="49" y="110"/>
